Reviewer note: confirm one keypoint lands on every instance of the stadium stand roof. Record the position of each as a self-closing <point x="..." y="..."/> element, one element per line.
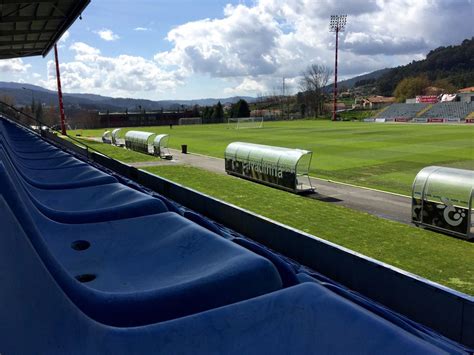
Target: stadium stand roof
<point x="29" y="28"/>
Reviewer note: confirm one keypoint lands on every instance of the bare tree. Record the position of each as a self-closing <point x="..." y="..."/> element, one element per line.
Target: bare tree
<point x="314" y="79"/>
<point x="274" y="100"/>
<point x="9" y="100"/>
<point x="286" y="98"/>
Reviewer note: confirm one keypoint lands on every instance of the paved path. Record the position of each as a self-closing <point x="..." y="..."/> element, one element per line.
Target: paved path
<point x="379" y="203"/>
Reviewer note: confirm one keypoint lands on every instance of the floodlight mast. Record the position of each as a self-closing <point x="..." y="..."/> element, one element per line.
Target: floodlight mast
<point x="337" y="24"/>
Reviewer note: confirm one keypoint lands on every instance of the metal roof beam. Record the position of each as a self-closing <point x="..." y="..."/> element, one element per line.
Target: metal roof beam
<point x="73" y="14"/>
<point x="8" y="2"/>
<point x="7" y="53"/>
<point x="23" y="32"/>
<point x="12" y="19"/>
<point x="16" y="11"/>
<point x="17" y="43"/>
<point x="44" y="20"/>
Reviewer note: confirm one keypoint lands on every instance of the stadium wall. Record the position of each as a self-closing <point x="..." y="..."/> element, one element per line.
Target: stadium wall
<point x="139" y="119"/>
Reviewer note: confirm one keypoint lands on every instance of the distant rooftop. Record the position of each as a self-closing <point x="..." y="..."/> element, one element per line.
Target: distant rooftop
<point x="29" y="28"/>
<point x="380" y="99"/>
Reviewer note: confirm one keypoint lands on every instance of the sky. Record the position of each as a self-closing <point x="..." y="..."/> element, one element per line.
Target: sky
<point x="183" y="49"/>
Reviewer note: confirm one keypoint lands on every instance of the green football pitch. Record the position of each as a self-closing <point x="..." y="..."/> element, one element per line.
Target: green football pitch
<point x="384" y="156"/>
<point x="381" y="156"/>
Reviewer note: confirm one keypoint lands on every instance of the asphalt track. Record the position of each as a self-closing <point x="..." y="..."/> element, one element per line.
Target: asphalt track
<point x="379" y="203"/>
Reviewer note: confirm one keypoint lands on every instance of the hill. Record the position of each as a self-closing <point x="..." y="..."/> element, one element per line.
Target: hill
<point x="452" y="65"/>
<point x="24" y="97"/>
<point x="358" y="80"/>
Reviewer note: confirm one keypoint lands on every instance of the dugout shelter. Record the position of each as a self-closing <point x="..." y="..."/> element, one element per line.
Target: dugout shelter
<point x="107" y="137"/>
<point x="442" y="199"/>
<point x="285" y="168"/>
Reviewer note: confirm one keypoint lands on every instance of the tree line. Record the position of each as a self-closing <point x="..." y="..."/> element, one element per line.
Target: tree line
<point x="216" y="113"/>
<point x="451" y="66"/>
<point x="40" y="113"/>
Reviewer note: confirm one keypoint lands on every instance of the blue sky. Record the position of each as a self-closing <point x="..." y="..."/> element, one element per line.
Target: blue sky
<point x="189" y="49"/>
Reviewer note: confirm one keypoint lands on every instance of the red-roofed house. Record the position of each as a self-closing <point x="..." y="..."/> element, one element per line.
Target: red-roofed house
<point x="376" y="102"/>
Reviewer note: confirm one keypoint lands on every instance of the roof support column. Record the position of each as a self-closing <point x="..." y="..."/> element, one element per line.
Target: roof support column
<point x="60" y="93"/>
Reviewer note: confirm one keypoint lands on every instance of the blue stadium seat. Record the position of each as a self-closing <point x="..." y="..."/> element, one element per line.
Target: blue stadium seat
<point x="147" y="269"/>
<point x="56" y="177"/>
<point x="304" y="319"/>
<point x="87" y="203"/>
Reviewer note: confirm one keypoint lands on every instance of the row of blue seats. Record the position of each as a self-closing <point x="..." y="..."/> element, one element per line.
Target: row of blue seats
<point x="148" y="264"/>
<point x="99" y="267"/>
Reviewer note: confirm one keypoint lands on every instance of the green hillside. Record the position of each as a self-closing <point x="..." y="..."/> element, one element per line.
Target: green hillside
<point x="452" y="64"/>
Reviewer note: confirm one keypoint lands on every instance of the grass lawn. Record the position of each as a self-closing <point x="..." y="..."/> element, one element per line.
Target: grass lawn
<point x="382" y="156"/>
<point x="122" y="154"/>
<point x="437" y="257"/>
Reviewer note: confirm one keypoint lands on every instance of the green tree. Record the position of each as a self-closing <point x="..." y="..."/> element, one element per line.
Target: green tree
<point x="218" y="113"/>
<point x="207" y="114"/>
<point x="410" y="87"/>
<point x="241" y="109"/>
<point x="196" y="110"/>
<point x="453" y="63"/>
<point x="33" y="106"/>
<point x="39" y="111"/>
<point x="446" y="85"/>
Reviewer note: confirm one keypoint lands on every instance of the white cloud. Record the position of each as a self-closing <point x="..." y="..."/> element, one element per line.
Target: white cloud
<point x="369" y="44"/>
<point x="62" y="41"/>
<point x="250" y="48"/>
<point x="240" y="44"/>
<point x="123" y="75"/>
<point x="248" y="86"/>
<point x="64" y="37"/>
<point x="274" y="38"/>
<point x="107" y="35"/>
<point x="13" y="66"/>
<point x="83" y="49"/>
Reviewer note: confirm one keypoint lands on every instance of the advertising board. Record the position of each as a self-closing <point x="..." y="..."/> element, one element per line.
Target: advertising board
<point x="263" y="171"/>
<point x="402" y="119"/>
<point x="426" y="99"/>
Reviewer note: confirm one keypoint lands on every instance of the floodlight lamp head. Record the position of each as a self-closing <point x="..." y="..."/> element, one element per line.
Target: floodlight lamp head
<point x="337" y="23"/>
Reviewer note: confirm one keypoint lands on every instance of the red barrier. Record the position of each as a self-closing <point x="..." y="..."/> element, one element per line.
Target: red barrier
<point x="427" y="99"/>
<point x="435" y="120"/>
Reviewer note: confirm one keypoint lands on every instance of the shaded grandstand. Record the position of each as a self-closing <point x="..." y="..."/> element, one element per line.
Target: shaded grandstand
<point x="423" y="112"/>
<point x="400" y="111"/>
<point x="455" y="111"/>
